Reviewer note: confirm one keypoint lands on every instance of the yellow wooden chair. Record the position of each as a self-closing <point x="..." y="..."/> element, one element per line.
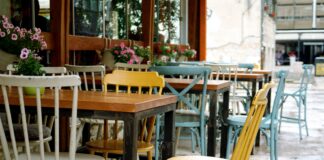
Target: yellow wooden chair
<point x="250" y="129"/>
<point x="143" y="83"/>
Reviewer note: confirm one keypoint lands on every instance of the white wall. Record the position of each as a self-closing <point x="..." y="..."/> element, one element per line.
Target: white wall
<point x="233" y="31"/>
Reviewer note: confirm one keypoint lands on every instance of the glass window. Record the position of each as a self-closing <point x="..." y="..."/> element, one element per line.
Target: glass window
<point x="122" y="18"/>
<point x="21" y="14"/>
<point x="88" y="17"/>
<point x="167" y="21"/>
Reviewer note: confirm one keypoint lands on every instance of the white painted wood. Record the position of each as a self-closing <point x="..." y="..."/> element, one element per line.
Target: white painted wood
<point x="132" y="67"/>
<point x="38" y="81"/>
<point x="87" y="72"/>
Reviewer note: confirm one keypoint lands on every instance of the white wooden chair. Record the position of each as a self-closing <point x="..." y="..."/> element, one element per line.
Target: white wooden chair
<point x="228" y="72"/>
<point x="9" y="132"/>
<point x="132" y="67"/>
<point x="88" y="73"/>
<point x="48" y="120"/>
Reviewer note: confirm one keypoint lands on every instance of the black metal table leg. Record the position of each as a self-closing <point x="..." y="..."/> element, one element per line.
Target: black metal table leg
<point x="212" y="125"/>
<point x="168" y="146"/>
<point x="225" y="110"/>
<point x="130" y="140"/>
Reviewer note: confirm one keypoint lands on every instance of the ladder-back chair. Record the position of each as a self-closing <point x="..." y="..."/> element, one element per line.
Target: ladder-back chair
<point x="131" y="83"/>
<point x="89" y="75"/>
<point x="131" y="67"/>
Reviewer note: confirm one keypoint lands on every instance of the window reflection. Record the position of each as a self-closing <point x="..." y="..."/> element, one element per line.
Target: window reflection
<point x="122" y="19"/>
<point x="88" y="17"/>
<point x="22" y="14"/>
<point x="167" y="21"/>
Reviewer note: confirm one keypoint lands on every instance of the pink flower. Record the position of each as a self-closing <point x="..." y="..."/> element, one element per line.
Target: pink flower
<point x="11" y="26"/>
<point x="35" y="37"/>
<point x="116" y="52"/>
<point x="14" y="37"/>
<point x="131" y="61"/>
<point x="122" y="45"/>
<point x="123" y="52"/>
<point x="5" y="25"/>
<point x="24" y="53"/>
<point x="2" y="34"/>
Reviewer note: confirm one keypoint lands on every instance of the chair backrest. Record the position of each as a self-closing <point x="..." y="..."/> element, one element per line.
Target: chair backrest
<point x="246" y="67"/>
<point x="197" y="74"/>
<point x="306" y="77"/>
<point x="132" y="67"/>
<point x="54" y="71"/>
<point x="48" y="70"/>
<point x="282" y="75"/>
<point x="87" y="73"/>
<point x="251" y="126"/>
<point x="140" y="83"/>
<point x="226" y="72"/>
<point x="11" y="69"/>
<point x="7" y="131"/>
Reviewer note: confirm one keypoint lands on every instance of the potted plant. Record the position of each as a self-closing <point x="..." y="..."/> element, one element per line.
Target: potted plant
<point x="124" y="54"/>
<point x="14" y="39"/>
<point x="142" y="52"/>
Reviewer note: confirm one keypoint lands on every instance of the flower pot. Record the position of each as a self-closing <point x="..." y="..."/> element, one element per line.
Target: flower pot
<point x="108" y="59"/>
<point x="6" y="58"/>
<point x="183" y="59"/>
<point x="31" y="91"/>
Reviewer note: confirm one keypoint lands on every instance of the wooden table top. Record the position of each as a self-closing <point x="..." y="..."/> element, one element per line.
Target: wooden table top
<point x="98" y="101"/>
<point x="266" y="72"/>
<point x="211" y="85"/>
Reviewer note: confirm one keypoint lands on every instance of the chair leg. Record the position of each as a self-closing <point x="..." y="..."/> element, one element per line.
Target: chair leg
<point x="149" y="155"/>
<point x="178" y="133"/>
<point x="299" y="119"/>
<point x="229" y="141"/>
<point x="157" y="137"/>
<point x="193" y="141"/>
<point x="99" y="131"/>
<point x="305" y="116"/>
<point x="202" y="140"/>
<point x="47" y="147"/>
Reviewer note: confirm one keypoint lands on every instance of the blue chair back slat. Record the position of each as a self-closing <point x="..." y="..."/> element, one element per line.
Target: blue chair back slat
<point x="306" y="77"/>
<point x="282" y="75"/>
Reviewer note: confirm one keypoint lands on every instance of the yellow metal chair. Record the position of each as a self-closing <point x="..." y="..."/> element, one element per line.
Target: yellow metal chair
<point x="132" y="83"/>
<point x="247" y="137"/>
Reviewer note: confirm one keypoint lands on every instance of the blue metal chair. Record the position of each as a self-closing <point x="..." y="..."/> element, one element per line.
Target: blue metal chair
<point x="192" y="116"/>
<point x="246" y="86"/>
<point x="269" y="122"/>
<point x="300" y="97"/>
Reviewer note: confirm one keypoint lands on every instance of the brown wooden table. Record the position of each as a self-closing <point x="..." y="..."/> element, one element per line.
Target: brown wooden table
<point x="214" y="88"/>
<point x="130" y="108"/>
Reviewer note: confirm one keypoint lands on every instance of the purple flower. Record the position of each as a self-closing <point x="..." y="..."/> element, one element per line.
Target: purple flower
<point x="14" y="37"/>
<point x="2" y="34"/>
<point x="24" y="53"/>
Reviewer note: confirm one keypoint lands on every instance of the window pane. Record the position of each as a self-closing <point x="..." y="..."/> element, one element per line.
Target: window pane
<point x="21" y="14"/>
<point x="88" y="17"/>
<point x="167" y="20"/>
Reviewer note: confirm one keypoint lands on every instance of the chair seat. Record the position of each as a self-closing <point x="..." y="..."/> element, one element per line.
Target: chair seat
<point x="188" y="118"/>
<point x="90" y="120"/>
<point x="63" y="156"/>
<point x="194" y="158"/>
<point x="239" y="120"/>
<point x="116" y="146"/>
<point x="33" y="133"/>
